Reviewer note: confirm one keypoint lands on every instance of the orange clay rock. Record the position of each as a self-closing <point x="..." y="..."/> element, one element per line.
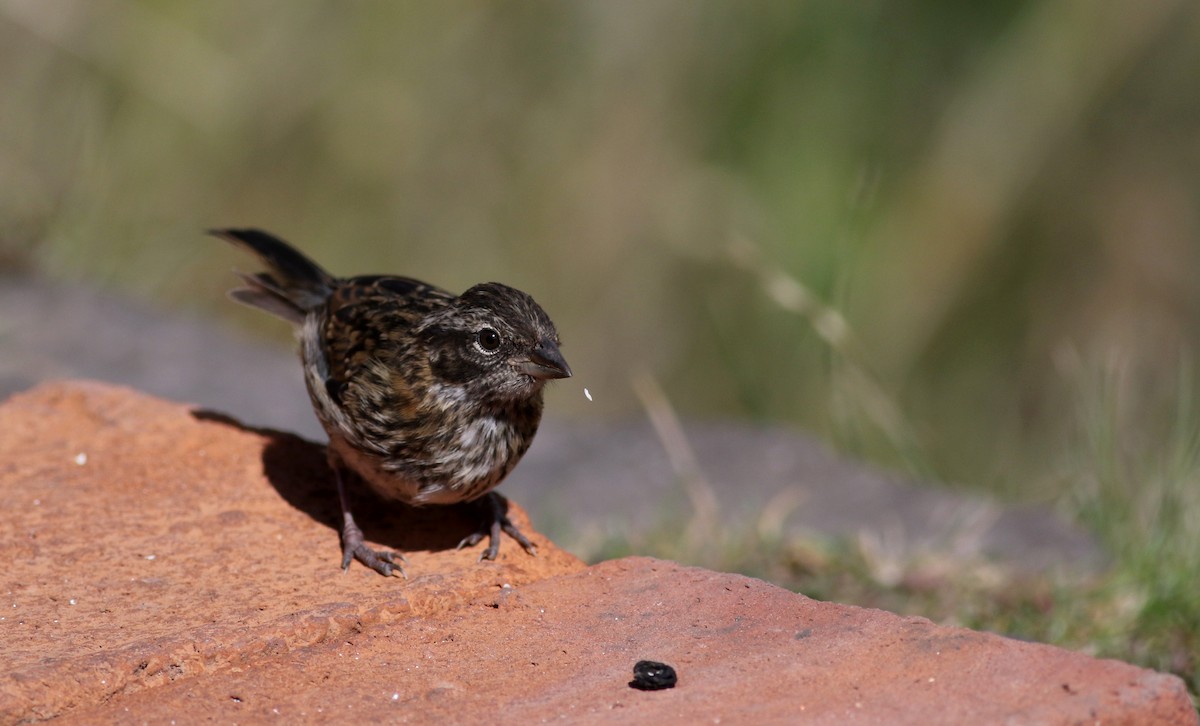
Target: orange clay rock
<point x="145" y="541"/>
<point x="165" y="563"/>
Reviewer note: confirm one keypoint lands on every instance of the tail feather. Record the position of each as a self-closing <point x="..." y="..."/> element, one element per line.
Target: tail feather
<point x="293" y="286"/>
<point x="261" y="293"/>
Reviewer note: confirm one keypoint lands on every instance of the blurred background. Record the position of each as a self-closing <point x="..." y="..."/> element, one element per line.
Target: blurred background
<point x="958" y="240"/>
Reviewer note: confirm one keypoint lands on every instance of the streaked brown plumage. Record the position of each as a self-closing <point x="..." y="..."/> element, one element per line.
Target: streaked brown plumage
<point x="430" y="397"/>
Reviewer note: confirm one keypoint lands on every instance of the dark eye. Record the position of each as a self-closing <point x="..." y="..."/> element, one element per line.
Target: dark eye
<point x="488" y="340"/>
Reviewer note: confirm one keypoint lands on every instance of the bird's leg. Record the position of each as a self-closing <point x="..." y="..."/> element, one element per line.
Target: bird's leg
<point x="353" y="547"/>
<point x="495" y="509"/>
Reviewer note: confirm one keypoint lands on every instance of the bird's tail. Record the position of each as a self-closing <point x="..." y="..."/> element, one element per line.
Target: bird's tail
<point x="293" y="285"/>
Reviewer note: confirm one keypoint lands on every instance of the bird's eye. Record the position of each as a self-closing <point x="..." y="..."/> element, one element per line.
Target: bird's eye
<point x="488" y="340"/>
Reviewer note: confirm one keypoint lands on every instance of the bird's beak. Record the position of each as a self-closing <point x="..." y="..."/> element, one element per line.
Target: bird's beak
<point x="545" y="362"/>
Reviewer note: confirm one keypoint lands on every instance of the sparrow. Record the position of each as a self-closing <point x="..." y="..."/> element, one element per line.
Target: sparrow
<point x="430" y="398"/>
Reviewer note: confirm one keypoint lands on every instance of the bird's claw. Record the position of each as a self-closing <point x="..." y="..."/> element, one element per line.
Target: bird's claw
<point x="497" y="522"/>
<point x="384" y="562"/>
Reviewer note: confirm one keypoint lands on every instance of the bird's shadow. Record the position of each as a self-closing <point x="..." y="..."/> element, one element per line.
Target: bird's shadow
<point x="298" y="470"/>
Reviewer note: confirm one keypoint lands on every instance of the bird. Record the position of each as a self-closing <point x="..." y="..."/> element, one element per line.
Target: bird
<point x="428" y="397"/>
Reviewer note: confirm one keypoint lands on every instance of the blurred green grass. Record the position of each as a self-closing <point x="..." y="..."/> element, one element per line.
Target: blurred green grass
<point x="923" y="230"/>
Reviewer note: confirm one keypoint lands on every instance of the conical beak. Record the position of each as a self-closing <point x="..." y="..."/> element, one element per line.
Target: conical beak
<point x="545" y="362"/>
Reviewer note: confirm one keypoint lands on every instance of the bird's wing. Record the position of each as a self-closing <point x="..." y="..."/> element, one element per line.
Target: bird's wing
<point x="370" y="319"/>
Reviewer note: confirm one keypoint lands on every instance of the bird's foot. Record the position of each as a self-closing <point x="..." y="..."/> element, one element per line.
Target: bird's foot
<point x="496" y="521"/>
<point x="382" y="561"/>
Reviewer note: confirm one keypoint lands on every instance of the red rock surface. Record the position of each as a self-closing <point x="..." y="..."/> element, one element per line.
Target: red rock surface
<point x="163" y="563"/>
